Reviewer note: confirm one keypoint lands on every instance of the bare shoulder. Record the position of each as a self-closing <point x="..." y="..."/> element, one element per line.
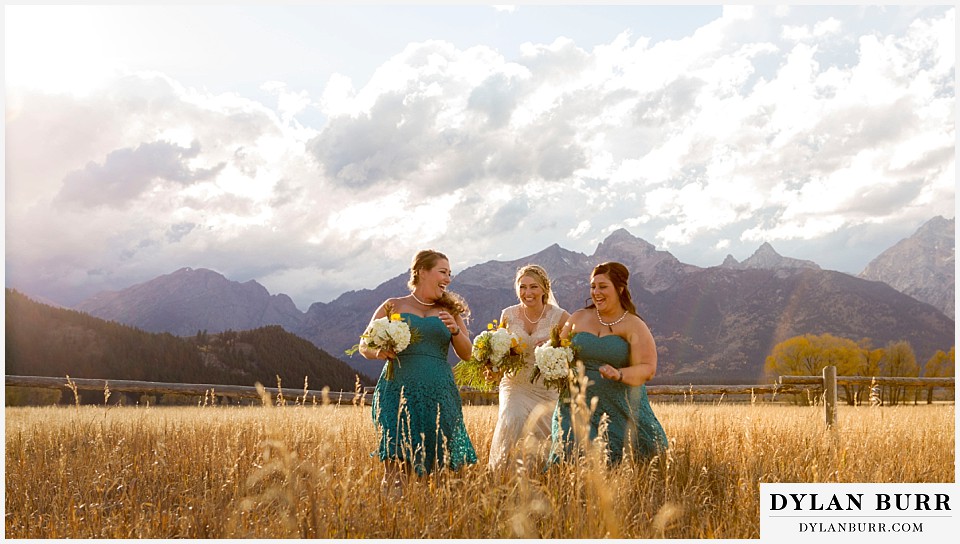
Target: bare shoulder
<point x="510" y="309"/>
<point x="580" y="316"/>
<point x="635" y="321"/>
<point x="637" y="326"/>
<point x="396" y="304"/>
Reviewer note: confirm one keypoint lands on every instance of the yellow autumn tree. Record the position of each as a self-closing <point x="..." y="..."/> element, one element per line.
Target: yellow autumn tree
<point x="807" y="355"/>
<point x="898" y="360"/>
<point x="941" y="365"/>
<point x="868" y="364"/>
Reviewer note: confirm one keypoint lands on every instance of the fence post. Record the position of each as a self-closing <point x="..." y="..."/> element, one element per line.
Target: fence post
<point x="830" y="394"/>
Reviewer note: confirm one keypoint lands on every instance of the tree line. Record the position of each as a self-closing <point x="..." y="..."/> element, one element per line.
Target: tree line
<point x="43" y="340"/>
<point x="807" y="355"/>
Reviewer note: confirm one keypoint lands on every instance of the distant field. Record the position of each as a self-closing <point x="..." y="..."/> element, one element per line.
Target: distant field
<point x="306" y="471"/>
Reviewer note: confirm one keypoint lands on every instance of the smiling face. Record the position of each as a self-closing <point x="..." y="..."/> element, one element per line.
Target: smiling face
<point x="530" y="292"/>
<point x="433" y="282"/>
<point x="604" y="294"/>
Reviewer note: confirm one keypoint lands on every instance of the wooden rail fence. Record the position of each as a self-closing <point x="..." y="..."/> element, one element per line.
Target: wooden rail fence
<point x="828" y="382"/>
<point x="825" y="386"/>
<point x="200" y="389"/>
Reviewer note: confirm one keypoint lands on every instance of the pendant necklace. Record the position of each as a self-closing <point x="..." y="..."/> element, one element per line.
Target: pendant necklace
<point x="422" y="302"/>
<point x="609" y="325"/>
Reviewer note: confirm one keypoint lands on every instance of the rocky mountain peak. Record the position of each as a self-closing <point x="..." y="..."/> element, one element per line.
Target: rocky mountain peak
<point x="620" y="241"/>
<point x="922" y="265"/>
<point x="938" y="226"/>
<point x="730" y="262"/>
<point x="191" y="299"/>
<point x="767" y="258"/>
<point x="657" y="270"/>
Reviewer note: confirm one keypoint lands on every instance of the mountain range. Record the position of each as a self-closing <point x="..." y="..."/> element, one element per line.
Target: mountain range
<point x="714" y="324"/>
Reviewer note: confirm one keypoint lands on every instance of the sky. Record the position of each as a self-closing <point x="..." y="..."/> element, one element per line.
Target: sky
<point x="316" y="148"/>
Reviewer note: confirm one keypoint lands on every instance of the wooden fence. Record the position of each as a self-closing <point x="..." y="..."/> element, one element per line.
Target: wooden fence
<point x="824" y="386"/>
<point x="828" y="382"/>
<point x="199" y="389"/>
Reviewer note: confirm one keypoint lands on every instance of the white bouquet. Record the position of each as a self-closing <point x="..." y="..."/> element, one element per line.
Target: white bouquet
<point x="391" y="333"/>
<point x="500" y="342"/>
<point x="553" y="361"/>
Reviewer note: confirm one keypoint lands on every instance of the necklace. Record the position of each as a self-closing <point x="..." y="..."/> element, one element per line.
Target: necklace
<point x="420" y="301"/>
<point x="609" y="325"/>
<point x="523" y="310"/>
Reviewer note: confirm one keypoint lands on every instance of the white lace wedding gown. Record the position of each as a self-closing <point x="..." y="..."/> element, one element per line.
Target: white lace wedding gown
<point x="520" y="399"/>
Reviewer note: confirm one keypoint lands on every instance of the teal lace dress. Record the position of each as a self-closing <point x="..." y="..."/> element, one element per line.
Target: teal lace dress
<point x="418" y="414"/>
<point x="632" y="428"/>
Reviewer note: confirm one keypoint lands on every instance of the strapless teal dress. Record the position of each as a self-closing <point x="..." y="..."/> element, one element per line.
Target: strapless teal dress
<point x="426" y="427"/>
<point x="632" y="428"/>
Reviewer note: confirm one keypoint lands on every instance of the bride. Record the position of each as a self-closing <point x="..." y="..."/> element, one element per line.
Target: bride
<point x="526" y="409"/>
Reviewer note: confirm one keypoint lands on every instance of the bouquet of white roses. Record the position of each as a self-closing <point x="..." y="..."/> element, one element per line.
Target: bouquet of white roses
<point x="390" y="333"/>
<point x="554" y="362"/>
<point x="494" y="350"/>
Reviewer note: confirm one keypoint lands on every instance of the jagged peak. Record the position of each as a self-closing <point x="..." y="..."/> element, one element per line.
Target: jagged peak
<point x="186" y="270"/>
<point x="620" y="234"/>
<point x="552" y="248"/>
<point x="766" y="249"/>
<point x="621" y="238"/>
<point x="936" y="225"/>
<point x="623" y="235"/>
<point x="730" y="261"/>
<point x="766" y="257"/>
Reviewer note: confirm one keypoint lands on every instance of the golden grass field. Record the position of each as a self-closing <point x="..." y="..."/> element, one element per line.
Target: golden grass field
<point x="306" y="471"/>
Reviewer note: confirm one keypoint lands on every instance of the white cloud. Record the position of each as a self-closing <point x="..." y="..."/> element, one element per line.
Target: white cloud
<point x="765" y="124"/>
<point x="582" y="228"/>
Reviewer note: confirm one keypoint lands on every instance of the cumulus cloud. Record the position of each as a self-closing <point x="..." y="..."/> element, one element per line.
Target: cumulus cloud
<point x="126" y="173"/>
<point x="790" y="125"/>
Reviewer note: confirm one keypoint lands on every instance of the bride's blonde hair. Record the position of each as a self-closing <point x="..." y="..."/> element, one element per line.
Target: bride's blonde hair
<point x="536" y="272"/>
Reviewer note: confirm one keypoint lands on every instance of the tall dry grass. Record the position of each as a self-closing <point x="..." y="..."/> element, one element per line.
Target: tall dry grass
<point x="306" y="471"/>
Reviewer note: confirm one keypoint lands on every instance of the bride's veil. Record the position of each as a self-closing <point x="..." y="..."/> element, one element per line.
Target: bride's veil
<point x="552" y="299"/>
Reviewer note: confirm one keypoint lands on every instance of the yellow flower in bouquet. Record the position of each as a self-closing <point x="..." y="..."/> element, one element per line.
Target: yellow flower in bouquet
<point x="494" y="350"/>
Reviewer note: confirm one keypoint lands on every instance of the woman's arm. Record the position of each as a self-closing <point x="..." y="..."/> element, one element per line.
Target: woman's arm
<point x="643" y="357"/>
<point x="461" y="341"/>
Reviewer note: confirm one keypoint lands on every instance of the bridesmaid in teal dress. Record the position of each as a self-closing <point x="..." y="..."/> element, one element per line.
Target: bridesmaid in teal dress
<point x="418" y="413"/>
<point x="619" y="356"/>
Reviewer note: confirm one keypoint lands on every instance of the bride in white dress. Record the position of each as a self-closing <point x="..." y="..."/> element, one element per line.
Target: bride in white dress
<point x="526" y="409"/>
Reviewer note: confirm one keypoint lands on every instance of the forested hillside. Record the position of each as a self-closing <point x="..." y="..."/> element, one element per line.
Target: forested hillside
<point x="42" y="340"/>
